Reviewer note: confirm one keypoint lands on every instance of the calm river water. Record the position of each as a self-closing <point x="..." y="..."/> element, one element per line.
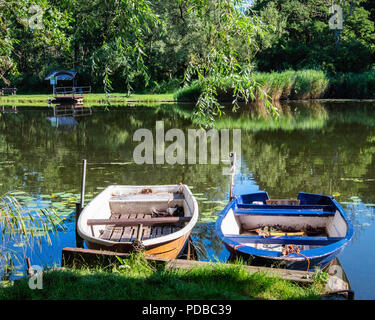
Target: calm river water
<point x="326" y="148"/>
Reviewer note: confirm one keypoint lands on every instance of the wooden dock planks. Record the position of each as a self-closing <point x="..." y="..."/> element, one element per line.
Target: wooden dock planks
<point x="71" y="255"/>
<point x="87" y="257"/>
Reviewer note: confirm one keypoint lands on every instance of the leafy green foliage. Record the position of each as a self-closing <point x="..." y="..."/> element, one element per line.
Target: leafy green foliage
<point x="301" y="37"/>
<point x="157" y="45"/>
<point x="224" y="27"/>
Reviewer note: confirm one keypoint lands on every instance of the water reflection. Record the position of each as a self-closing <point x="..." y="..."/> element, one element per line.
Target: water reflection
<point x="5" y="109"/>
<point x="66" y="115"/>
<point x="323" y="148"/>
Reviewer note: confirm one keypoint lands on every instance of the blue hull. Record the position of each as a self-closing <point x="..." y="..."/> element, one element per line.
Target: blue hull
<point x="325" y="249"/>
<point x="320" y="262"/>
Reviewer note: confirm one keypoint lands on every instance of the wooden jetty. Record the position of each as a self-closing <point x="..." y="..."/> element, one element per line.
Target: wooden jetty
<point x="69" y="95"/>
<point x="337" y="284"/>
<point x="63" y="100"/>
<point x="78" y="257"/>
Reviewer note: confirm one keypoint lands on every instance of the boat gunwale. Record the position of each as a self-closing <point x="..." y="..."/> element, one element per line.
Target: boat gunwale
<point x="148" y="242"/>
<point x="276" y="255"/>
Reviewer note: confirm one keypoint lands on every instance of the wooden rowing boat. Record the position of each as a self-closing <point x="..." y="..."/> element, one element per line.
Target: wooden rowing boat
<point x="158" y="219"/>
<point x="299" y="234"/>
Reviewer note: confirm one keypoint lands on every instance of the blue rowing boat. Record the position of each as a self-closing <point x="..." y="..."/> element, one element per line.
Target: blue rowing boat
<point x="298" y="234"/>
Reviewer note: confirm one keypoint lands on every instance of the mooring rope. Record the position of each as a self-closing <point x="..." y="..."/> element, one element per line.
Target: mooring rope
<point x="292" y="249"/>
<point x="138" y="246"/>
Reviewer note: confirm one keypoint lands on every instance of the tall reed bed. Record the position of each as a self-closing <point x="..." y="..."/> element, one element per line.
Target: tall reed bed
<point x="304" y="84"/>
<point x="353" y="85"/>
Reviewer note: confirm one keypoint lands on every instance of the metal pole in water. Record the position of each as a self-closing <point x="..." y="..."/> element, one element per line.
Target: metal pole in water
<point x="80" y="205"/>
<point x="232" y="157"/>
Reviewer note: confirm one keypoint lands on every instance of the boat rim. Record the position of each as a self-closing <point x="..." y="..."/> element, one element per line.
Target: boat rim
<point x="149" y="242"/>
<point x="269" y="254"/>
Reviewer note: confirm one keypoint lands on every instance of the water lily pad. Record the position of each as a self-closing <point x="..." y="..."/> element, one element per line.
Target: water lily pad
<point x="19" y="244"/>
<point x="219" y="208"/>
<point x="369" y="204"/>
<point x="208" y="219"/>
<point x="354" y="198"/>
<point x="366" y="224"/>
<point x="345" y="202"/>
<point x="206" y="213"/>
<point x="18" y="274"/>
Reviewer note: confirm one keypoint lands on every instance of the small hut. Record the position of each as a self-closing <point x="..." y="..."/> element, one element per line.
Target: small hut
<point x="66" y="94"/>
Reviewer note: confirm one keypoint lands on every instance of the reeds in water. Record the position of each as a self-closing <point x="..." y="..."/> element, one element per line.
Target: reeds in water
<point x="304" y="84"/>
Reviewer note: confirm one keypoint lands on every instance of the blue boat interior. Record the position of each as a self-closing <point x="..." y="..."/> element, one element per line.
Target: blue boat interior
<point x="310" y="222"/>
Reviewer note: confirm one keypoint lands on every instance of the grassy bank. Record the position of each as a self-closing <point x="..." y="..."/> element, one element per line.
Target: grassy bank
<point x="92" y="98"/>
<point x="295" y="85"/>
<point x="138" y="279"/>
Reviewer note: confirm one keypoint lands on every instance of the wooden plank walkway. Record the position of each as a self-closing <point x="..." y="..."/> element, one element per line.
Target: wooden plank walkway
<point x="337" y="287"/>
<point x="77" y="256"/>
<point x="12" y="91"/>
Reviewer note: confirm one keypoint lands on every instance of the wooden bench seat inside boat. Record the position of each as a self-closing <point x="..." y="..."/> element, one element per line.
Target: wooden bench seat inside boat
<point x="129" y="233"/>
<point x="128" y="211"/>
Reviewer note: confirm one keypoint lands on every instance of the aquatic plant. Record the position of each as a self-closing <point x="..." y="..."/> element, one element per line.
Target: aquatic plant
<point x="309" y="84"/>
<point x="304" y="84"/>
<point x="353" y="85"/>
<point x="22" y="227"/>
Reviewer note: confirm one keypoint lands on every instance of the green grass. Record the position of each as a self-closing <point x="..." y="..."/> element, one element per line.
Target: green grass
<point x="138" y="279"/>
<point x="41" y="99"/>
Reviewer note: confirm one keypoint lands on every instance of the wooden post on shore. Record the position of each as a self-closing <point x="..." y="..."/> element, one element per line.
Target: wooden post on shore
<point x="80" y="205"/>
<point x="30" y="271"/>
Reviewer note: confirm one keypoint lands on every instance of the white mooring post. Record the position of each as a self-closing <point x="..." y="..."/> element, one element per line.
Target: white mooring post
<point x="232" y="157"/>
